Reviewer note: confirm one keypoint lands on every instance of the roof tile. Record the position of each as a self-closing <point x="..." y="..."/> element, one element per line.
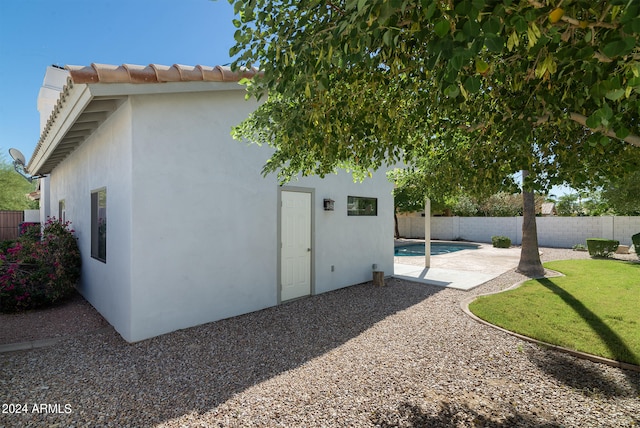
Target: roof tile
<point x="166" y="73"/>
<point x="141" y="73"/>
<point x="153" y="73"/>
<point x="138" y="74"/>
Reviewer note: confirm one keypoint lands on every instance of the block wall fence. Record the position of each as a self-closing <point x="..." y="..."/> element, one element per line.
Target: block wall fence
<point x="558" y="232"/>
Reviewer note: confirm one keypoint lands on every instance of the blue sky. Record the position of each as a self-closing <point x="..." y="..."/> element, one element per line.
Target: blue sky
<point x="37" y="33"/>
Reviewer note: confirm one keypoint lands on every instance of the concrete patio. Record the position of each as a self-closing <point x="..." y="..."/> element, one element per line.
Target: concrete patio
<point x="462" y="270"/>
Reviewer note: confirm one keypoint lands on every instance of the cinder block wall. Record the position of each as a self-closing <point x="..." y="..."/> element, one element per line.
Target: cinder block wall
<point x="559" y="232"/>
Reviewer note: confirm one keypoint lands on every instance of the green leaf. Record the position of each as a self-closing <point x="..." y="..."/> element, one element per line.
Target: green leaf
<point x="494" y="43"/>
<point x="430" y="10"/>
<point x="585" y="53"/>
<point x="619" y="47"/>
<point x="594" y="120"/>
<point x="471" y="29"/>
<point x="233" y="51"/>
<point x="622" y="132"/>
<point x="492" y="26"/>
<point x="387" y="38"/>
<point x="632" y="26"/>
<point x="463" y="8"/>
<point x="442" y="27"/>
<point x="237" y="6"/>
<point x="607" y="113"/>
<point x="481" y="66"/>
<point x="472" y="84"/>
<point x="452" y="91"/>
<point x="615" y="94"/>
<point x="458" y="60"/>
<point x="520" y="23"/>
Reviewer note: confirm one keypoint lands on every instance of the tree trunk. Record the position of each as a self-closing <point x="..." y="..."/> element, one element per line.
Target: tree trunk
<point x="530" y="263"/>
<point x="397" y="230"/>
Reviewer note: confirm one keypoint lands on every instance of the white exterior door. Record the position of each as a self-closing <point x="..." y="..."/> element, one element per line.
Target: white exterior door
<point x="295" y="236"/>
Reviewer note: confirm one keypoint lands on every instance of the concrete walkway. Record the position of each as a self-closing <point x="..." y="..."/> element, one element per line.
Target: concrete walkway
<point x="462" y="270"/>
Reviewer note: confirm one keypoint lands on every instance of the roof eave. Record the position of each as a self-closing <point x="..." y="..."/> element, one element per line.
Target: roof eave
<point x="60" y="121"/>
<point x="85" y="107"/>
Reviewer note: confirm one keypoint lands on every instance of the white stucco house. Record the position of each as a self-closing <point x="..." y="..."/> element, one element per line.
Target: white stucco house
<point x="176" y="225"/>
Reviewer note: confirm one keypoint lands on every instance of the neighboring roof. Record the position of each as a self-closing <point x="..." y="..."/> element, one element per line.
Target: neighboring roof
<point x="93" y="92"/>
<point x="548" y="208"/>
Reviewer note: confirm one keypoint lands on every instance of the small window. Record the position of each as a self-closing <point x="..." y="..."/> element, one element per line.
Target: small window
<point x="99" y="225"/>
<point x="362" y="206"/>
<point x="62" y="211"/>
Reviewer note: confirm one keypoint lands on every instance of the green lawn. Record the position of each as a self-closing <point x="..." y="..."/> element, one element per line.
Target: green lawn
<point x="595" y="308"/>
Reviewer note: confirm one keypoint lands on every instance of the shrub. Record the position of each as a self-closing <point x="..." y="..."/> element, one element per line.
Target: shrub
<point x="4" y="245"/>
<point x="636" y="243"/>
<point x="599" y="247"/>
<point x="36" y="273"/>
<point x="501" y="241"/>
<point x="30" y="231"/>
<point x="579" y="247"/>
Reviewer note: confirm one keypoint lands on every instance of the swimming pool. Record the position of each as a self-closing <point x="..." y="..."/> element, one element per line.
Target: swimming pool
<point x="437" y="248"/>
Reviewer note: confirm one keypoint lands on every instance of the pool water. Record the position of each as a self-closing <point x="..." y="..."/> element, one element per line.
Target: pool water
<point x="437" y="248"/>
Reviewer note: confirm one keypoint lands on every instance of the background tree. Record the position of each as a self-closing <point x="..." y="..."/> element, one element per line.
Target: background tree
<point x="593" y="204"/>
<point x="14" y="188"/>
<point x="568" y="205"/>
<point x="489" y="87"/>
<point x="622" y="193"/>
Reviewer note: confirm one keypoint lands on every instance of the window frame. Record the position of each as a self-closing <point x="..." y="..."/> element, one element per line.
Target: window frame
<point x="362" y="206"/>
<point x="99" y="224"/>
<point x="62" y="211"/>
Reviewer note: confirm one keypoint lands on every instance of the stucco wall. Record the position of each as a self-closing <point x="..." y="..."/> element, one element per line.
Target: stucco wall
<point x="204" y="235"/>
<point x="102" y="161"/>
<point x="192" y="224"/>
<point x="560" y="232"/>
<point x="351" y="244"/>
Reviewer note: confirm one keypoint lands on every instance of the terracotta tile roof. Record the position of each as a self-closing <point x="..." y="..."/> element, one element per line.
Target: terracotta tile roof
<point x="99" y="107"/>
<point x="154" y="73"/>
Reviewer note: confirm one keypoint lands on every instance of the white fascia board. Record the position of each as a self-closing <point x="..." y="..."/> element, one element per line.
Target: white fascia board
<point x="77" y="100"/>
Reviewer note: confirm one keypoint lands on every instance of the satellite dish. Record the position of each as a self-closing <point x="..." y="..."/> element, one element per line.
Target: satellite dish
<point x="17" y="156"/>
<point x="19" y="165"/>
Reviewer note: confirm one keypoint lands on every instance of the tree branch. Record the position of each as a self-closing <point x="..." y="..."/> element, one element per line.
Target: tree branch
<point x="582" y="120"/>
<point x="634" y="140"/>
<point x="334" y="7"/>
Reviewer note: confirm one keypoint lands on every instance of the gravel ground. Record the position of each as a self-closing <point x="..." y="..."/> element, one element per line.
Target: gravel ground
<point x="403" y="355"/>
<point x="71" y="317"/>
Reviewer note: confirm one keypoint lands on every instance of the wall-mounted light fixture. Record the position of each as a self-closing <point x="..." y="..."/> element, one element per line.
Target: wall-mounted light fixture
<point x="328" y="204"/>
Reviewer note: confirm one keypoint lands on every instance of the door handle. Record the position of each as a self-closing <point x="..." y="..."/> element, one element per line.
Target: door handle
<point x="309" y="249"/>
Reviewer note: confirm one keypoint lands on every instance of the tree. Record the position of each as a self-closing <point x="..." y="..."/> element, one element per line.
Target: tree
<point x="485" y="88"/>
<point x="13" y="189"/>
<point x="622" y="193"/>
<point x="407" y="196"/>
<point x="594" y="204"/>
<point x="568" y="205"/>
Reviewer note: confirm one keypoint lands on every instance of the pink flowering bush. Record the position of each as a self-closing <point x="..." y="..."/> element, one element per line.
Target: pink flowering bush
<point x="39" y="270"/>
